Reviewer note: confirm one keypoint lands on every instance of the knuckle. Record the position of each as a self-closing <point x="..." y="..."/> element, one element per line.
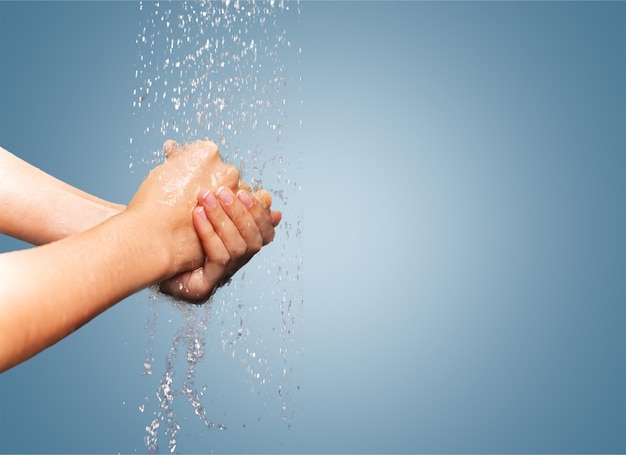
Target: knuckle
<point x="206" y="147"/>
<point x="269" y="237"/>
<point x="243" y="185"/>
<point x="264" y="197"/>
<point x="222" y="258"/>
<point x="232" y="174"/>
<point x="212" y="149"/>
<point x="255" y="246"/>
<point x="239" y="249"/>
<point x="169" y="147"/>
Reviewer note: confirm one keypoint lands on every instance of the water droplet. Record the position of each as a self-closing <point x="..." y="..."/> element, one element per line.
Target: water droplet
<point x="227" y="86"/>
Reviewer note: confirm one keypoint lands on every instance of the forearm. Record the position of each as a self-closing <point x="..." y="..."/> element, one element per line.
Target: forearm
<point x="50" y="291"/>
<point x="38" y="208"/>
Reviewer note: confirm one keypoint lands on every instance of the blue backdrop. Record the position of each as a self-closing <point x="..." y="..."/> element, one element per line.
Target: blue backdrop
<point x="461" y="200"/>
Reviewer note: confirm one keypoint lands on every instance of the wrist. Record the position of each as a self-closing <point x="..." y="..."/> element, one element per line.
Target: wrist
<point x="173" y="248"/>
<point x="146" y="242"/>
<point x="86" y="214"/>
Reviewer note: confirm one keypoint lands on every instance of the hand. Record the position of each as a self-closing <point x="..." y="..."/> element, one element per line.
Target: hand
<point x="232" y="229"/>
<point x="168" y="197"/>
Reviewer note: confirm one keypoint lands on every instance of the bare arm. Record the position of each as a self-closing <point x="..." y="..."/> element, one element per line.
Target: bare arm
<point x="38" y="208"/>
<point x="49" y="291"/>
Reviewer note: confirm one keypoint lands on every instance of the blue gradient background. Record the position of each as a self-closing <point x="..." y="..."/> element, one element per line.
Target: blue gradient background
<point x="464" y="205"/>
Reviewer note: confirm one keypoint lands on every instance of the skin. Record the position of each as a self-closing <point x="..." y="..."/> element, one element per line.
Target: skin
<point x="39" y="209"/>
<point x="190" y="225"/>
<point x="232" y="228"/>
<point x="234" y="224"/>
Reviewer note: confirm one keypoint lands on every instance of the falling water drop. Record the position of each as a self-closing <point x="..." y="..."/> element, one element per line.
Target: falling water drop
<point x="218" y="70"/>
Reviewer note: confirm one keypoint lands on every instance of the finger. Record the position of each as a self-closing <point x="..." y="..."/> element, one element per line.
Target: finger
<point x="262" y="216"/>
<point x="220" y="263"/>
<point x="275" y="217"/>
<point x="224" y="226"/>
<point x="229" y="178"/>
<point x="207" y="146"/>
<point x="242" y="219"/>
<point x="228" y="232"/>
<point x="213" y="246"/>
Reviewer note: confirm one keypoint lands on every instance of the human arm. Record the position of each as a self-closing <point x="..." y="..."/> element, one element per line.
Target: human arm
<point x="38" y="208"/>
<point x="49" y="291"/>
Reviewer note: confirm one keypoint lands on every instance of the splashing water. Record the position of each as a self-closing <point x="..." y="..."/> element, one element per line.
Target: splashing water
<point x="221" y="71"/>
<point x="192" y="335"/>
<point x="214" y="70"/>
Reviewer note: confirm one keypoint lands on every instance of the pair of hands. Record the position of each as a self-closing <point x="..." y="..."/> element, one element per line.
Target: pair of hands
<point x="212" y="223"/>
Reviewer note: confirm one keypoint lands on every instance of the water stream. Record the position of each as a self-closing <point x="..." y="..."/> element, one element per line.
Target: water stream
<point x="224" y="70"/>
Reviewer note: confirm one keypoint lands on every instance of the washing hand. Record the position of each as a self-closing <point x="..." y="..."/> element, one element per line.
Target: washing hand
<point x="232" y="227"/>
<point x="165" y="231"/>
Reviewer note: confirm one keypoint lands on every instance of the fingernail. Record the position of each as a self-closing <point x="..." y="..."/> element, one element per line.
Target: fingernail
<point x="246" y="198"/>
<point x="202" y="214"/>
<point x="209" y="199"/>
<point x="225" y="196"/>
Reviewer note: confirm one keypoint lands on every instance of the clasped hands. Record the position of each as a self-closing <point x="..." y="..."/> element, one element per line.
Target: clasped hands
<point x="212" y="224"/>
